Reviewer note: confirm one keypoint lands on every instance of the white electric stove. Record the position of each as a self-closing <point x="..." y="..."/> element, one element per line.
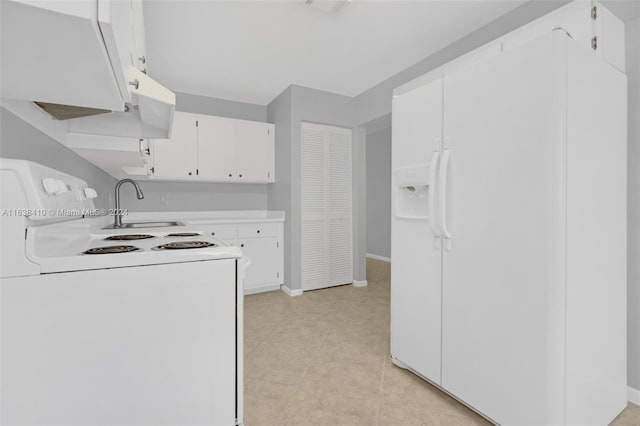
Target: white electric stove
<point x="112" y="326"/>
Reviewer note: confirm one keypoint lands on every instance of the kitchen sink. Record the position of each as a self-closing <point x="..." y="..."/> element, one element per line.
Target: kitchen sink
<point x="146" y="225"/>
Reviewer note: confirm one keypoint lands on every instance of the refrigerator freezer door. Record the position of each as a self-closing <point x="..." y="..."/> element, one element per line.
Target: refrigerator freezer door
<point x="416" y="268"/>
<point x="503" y="280"/>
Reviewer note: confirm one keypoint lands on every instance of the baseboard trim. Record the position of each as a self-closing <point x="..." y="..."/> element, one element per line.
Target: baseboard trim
<point x="360" y="283"/>
<point x="376" y="257"/>
<point x="633" y="395"/>
<point x="248" y="291"/>
<point x="292" y="293"/>
<point x="399" y="363"/>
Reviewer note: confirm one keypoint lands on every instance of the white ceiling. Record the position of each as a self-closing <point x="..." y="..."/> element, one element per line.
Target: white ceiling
<point x="250" y="51"/>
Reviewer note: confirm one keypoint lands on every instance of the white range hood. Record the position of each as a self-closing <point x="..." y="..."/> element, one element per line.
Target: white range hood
<point x="84" y="62"/>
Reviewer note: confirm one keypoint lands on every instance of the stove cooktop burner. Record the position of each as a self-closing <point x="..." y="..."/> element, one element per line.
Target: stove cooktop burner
<point x="184" y="245"/>
<point x="111" y="249"/>
<point x="183" y="234"/>
<point x="128" y="237"/>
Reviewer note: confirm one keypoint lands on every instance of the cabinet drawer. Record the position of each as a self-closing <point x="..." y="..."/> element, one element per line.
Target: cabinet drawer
<point x="223" y="232"/>
<point x="252" y="230"/>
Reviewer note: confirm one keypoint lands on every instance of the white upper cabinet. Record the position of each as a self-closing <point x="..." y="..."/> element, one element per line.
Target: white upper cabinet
<point x="215" y="149"/>
<point x="176" y="158"/>
<point x="139" y="49"/>
<point x="255" y="151"/>
<point x="116" y="26"/>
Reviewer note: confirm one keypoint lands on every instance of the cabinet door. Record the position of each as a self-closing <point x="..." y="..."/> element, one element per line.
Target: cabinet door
<point x="217" y="148"/>
<point x="255" y="151"/>
<point x="139" y="43"/>
<point x="176" y="157"/>
<point x="416" y="277"/>
<point x="115" y="22"/>
<point x="265" y="264"/>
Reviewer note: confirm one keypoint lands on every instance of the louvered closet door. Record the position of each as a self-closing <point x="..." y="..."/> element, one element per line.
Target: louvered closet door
<point x="314" y="204"/>
<point x="339" y="204"/>
<point x="327" y="256"/>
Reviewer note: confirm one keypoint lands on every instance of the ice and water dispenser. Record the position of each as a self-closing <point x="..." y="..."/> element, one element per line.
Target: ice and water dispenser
<point x="412" y="192"/>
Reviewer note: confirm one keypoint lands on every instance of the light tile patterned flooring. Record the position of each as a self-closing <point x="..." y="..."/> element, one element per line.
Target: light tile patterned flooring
<point x="323" y="359"/>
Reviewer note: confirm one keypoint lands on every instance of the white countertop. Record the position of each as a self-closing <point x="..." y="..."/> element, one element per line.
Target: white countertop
<point x="208" y="217"/>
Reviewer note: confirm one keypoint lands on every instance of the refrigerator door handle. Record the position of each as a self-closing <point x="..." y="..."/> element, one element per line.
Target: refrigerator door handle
<point x="433" y="167"/>
<point x="442" y="192"/>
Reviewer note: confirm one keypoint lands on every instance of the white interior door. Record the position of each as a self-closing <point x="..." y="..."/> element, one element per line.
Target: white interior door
<point x="339" y="220"/>
<point x="217" y="148"/>
<point x="327" y="231"/>
<point x="177" y="157"/>
<point x="503" y="291"/>
<point x="416" y="280"/>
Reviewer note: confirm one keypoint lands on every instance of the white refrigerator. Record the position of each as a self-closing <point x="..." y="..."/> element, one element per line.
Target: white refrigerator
<point x="508" y="278"/>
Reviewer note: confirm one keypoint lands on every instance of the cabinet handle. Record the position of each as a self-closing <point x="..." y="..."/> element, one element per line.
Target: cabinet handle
<point x="239" y="175"/>
<point x="213" y="233"/>
<point x="241" y="245"/>
<point x="230" y="175"/>
<point x="135" y="83"/>
<point x="142" y="59"/>
<point x="258" y="231"/>
<point x="189" y="173"/>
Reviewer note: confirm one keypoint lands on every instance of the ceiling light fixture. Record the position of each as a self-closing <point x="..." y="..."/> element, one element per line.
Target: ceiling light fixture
<point x="331" y="7"/>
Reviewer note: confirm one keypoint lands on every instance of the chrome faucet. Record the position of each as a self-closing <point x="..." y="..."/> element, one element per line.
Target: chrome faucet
<point x="117" y="217"/>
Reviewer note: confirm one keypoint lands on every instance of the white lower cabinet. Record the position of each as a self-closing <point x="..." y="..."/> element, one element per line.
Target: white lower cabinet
<point x="262" y="244"/>
<point x="265" y="255"/>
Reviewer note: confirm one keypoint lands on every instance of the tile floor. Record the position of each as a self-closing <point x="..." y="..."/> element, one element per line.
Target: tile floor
<point x="323" y="359"/>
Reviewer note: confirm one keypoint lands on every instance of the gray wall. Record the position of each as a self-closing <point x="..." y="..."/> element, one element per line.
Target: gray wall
<point x="633" y="212"/>
<point x="279" y="193"/>
<point x="181" y="196"/>
<point x="18" y="139"/>
<point x="174" y="196"/>
<point x="221" y="107"/>
<point x="379" y="193"/>
<point x="288" y="111"/>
